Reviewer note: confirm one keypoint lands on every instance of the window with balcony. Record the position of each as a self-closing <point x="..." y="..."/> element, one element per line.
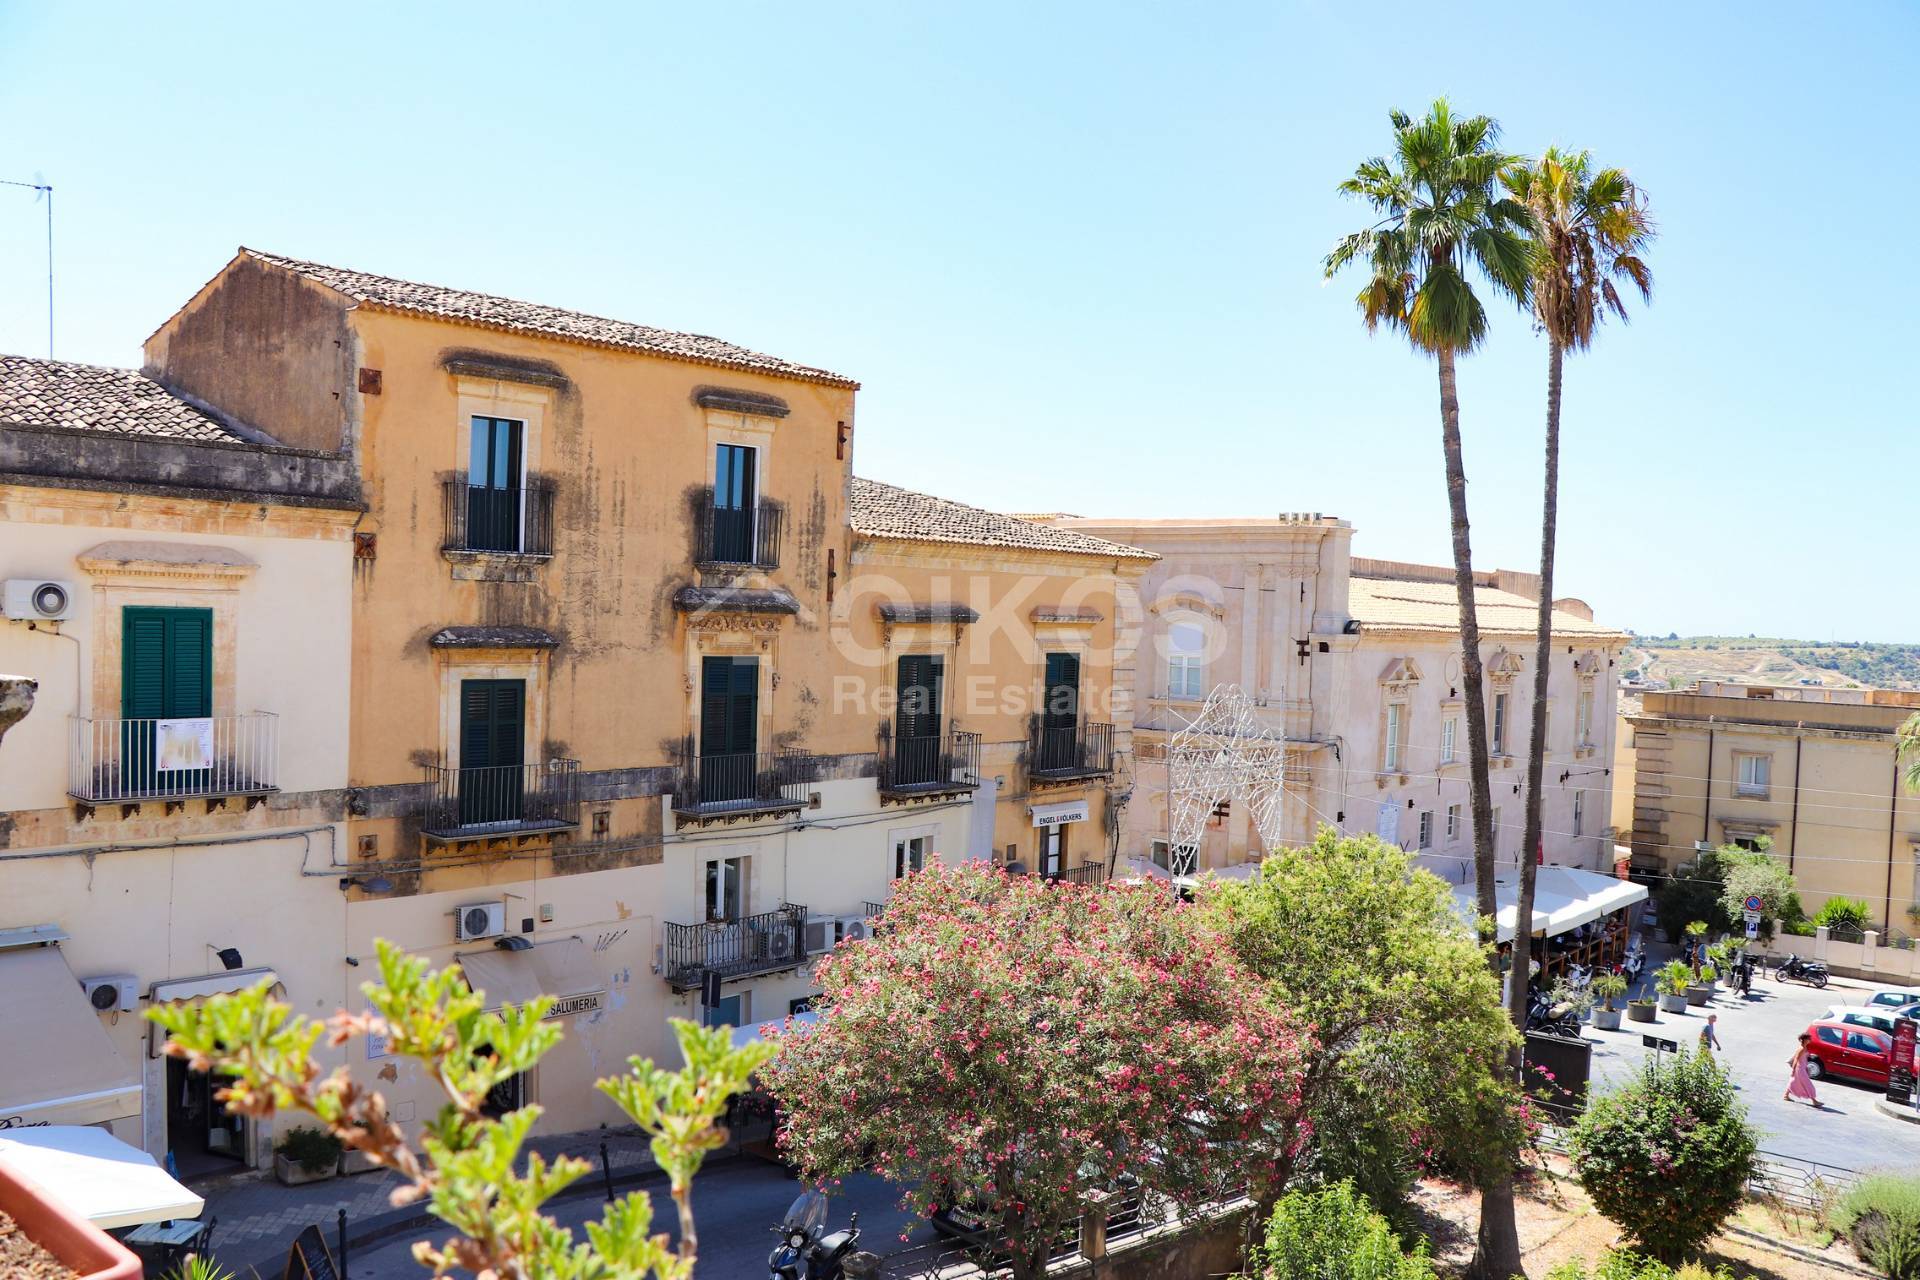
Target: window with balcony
<point x="1754" y="775"/>
<point x="497" y="507"/>
<point x="1063" y="745"/>
<point x="729" y="728"/>
<point x="737" y="526"/>
<point x="494" y="789"/>
<point x="1186" y="663"/>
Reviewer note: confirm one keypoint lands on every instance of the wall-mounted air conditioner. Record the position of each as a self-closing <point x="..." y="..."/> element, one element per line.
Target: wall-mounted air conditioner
<point x="821" y="934"/>
<point x="37" y="600"/>
<point x="479" y="920"/>
<point x="855" y="928"/>
<point x="112" y="992"/>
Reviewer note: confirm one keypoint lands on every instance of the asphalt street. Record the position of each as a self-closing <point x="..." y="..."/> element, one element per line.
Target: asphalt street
<point x="1759" y="1033"/>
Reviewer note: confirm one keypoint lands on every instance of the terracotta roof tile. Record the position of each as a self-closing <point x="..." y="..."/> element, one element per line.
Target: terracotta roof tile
<point x="88" y="397"/>
<point x="1402" y="604"/>
<point x="493" y="312"/>
<point x="884" y="511"/>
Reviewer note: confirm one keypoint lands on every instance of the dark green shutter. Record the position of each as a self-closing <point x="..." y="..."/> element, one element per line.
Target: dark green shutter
<point x="166" y="663"/>
<point x="492" y="723"/>
<point x="729" y="706"/>
<point x="1062" y="708"/>
<point x="919" y="688"/>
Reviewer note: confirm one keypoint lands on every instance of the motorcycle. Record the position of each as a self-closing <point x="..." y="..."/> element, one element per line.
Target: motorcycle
<point x="1807" y="971"/>
<point x="807" y="1251"/>
<point x="1551" y="1019"/>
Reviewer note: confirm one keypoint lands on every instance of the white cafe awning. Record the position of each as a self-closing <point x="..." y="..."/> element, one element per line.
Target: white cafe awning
<point x="1563" y="899"/>
<point x="57" y="1065"/>
<point x="170" y="990"/>
<point x="99" y="1177"/>
<point x="563" y="969"/>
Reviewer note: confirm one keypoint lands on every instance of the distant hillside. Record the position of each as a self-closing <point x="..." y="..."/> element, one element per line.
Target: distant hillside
<point x="1680" y="660"/>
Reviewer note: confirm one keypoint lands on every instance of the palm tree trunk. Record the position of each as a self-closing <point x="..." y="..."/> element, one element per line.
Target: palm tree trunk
<point x="1497" y="1255"/>
<point x="1531" y="832"/>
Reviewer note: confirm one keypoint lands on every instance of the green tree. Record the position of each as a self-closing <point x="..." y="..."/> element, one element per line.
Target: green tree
<point x="1332" y="1234"/>
<point x="1009" y="1042"/>
<point x="1441" y="220"/>
<point x="470" y="1176"/>
<point x="1668" y="1156"/>
<point x="1589" y="229"/>
<point x="1757" y="874"/>
<point x="1368" y="952"/>
<point x="1907" y="745"/>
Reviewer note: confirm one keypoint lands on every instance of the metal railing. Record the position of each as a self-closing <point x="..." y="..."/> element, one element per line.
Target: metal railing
<point x="734" y="948"/>
<point x="1091" y="873"/>
<point x="161" y="759"/>
<point x="502" y="799"/>
<point x="947" y="761"/>
<point x="747" y="535"/>
<point x="744" y="781"/>
<point x="515" y="521"/>
<point x="1081" y="750"/>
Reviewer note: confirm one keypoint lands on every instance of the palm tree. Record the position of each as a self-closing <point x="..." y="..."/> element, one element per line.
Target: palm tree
<point x="1442" y="219"/>
<point x="1907" y="744"/>
<point x="1590" y="228"/>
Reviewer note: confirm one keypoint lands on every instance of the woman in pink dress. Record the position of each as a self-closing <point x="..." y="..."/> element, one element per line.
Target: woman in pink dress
<point x="1801" y="1083"/>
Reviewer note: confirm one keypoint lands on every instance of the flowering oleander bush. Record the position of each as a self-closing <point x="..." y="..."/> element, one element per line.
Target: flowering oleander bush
<point x="1669" y="1155"/>
<point x="1007" y="1042"/>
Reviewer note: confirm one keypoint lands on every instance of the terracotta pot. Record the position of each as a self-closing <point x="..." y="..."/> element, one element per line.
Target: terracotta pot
<point x="70" y="1238"/>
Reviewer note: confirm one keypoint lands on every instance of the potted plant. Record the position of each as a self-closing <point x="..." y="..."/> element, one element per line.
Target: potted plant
<point x="1721" y="956"/>
<point x="1672" y="982"/>
<point x="306" y="1154"/>
<point x="1700" y="990"/>
<point x="51" y="1238"/>
<point x="1642" y="1010"/>
<point x="1696" y="932"/>
<point x="1609" y="987"/>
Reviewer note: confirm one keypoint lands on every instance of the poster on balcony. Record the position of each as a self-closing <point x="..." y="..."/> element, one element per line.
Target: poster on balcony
<point x="184" y="744"/>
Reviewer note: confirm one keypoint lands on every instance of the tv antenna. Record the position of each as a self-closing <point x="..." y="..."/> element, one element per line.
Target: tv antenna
<point x="42" y="190"/>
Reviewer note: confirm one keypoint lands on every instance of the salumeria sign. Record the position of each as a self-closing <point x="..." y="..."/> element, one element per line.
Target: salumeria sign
<point x="565" y="1006"/>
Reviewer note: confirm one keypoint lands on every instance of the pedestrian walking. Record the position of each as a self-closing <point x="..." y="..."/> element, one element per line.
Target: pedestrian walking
<point x="1800" y="1083"/>
<point x="1709" y="1039"/>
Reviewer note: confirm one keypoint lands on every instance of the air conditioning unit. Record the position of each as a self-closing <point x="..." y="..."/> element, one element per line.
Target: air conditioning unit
<point x="855" y="928"/>
<point x="479" y="920"/>
<point x="821" y="933"/>
<point x="112" y="992"/>
<point x="780" y="944"/>
<point x="38" y="600"/>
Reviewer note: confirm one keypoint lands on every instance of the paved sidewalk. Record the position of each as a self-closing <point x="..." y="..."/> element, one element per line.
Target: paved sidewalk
<point x="259" y="1217"/>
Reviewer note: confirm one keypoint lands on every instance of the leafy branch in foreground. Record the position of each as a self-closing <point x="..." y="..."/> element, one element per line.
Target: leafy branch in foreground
<point x="471" y="1176"/>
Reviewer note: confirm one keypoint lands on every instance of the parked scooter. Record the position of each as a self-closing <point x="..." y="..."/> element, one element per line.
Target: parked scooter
<point x="1551" y="1019"/>
<point x="804" y="1252"/>
<point x="1799" y="970"/>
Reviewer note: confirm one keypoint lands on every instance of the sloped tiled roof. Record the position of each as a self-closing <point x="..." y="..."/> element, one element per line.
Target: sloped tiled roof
<point x="492" y="312"/>
<point x="90" y="397"/>
<point x="1401" y="604"/>
<point x="885" y="511"/>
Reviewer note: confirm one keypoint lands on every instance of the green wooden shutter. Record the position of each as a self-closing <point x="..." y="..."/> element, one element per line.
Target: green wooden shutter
<point x="729" y="706"/>
<point x="166" y="662"/>
<point x="492" y="723"/>
<point x="1062" y="709"/>
<point x="919" y="688"/>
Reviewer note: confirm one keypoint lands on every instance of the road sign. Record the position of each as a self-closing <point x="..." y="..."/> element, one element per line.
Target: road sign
<point x="1754" y="904"/>
<point x="1753" y="928"/>
<point x="1753" y="917"/>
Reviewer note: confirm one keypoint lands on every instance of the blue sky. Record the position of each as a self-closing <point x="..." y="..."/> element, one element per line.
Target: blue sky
<point x="1072" y="251"/>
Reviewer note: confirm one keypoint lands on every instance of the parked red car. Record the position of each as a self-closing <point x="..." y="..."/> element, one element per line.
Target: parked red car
<point x="1849" y="1052"/>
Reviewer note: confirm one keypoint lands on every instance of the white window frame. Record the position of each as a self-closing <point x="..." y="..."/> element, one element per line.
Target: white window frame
<point x="1453" y="824"/>
<point x="730" y="902"/>
<point x="1426" y="828"/>
<point x="1499" y="724"/>
<point x="1449" y="736"/>
<point x="910" y="853"/>
<point x="1394" y="744"/>
<point x="1579" y="812"/>
<point x="1583" y="718"/>
<point x="1186" y="669"/>
<point x="1761" y="783"/>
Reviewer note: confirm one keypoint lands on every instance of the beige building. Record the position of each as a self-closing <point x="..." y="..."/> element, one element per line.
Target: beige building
<point x="629" y="686"/>
<point x="1355" y="665"/>
<point x="172" y="809"/>
<point x="1812" y="770"/>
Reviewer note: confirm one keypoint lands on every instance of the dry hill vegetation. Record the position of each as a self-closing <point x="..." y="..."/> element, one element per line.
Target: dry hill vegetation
<point x="1676" y="661"/>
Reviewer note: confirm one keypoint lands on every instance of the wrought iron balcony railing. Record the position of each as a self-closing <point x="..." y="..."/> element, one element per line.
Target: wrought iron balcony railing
<point x="765" y="943"/>
<point x="475" y="804"/>
<point x="746" y="536"/>
<point x="932" y="763"/>
<point x="131" y="760"/>
<point x="1090" y="873"/>
<point x="749" y="782"/>
<point x="515" y="522"/>
<point x="1083" y="750"/>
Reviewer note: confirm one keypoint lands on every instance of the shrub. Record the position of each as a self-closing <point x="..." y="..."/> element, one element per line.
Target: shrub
<point x="1610" y="987"/>
<point x="1673" y="978"/>
<point x="1840" y="912"/>
<point x="1631" y="1266"/>
<point x="1667" y="1156"/>
<point x="1333" y="1234"/>
<point x="314" y="1150"/>
<point x="1880" y="1216"/>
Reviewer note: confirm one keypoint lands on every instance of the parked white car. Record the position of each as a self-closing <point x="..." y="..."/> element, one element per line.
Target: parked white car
<point x="1893" y="998"/>
<point x="1880" y="1018"/>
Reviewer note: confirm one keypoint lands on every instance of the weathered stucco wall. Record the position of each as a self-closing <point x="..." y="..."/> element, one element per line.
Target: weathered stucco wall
<point x="267" y="348"/>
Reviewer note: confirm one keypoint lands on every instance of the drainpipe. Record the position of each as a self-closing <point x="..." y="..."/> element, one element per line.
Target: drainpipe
<point x="1706" y="798"/>
<point x="1793" y="825"/>
<point x="1893" y="810"/>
